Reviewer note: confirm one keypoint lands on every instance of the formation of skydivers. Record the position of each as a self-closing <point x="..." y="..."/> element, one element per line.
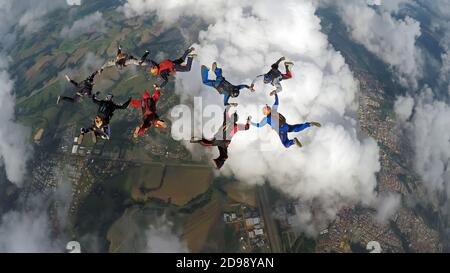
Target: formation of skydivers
<point x="166" y="68"/>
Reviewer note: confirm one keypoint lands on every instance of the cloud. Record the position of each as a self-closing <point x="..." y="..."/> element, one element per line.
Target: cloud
<point x="391" y="39"/>
<point x="27" y="14"/>
<point x="337" y="166"/>
<point x="403" y="108"/>
<point x="73" y="2"/>
<point x="171" y="10"/>
<point x="388" y="204"/>
<point x="432" y="142"/>
<point x="162" y="239"/>
<point x="29" y="229"/>
<point x="14" y="148"/>
<point x="91" y="23"/>
<point x="25" y="232"/>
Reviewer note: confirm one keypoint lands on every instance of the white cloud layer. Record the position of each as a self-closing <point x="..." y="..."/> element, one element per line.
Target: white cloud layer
<point x="388" y="204"/>
<point x="161" y="238"/>
<point x="403" y="107"/>
<point x="391" y="39"/>
<point x="431" y="139"/>
<point x="92" y="23"/>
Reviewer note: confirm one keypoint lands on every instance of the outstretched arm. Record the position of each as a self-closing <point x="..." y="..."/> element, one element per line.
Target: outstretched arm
<point x="92" y="76"/>
<point x="241" y="86"/>
<point x="276" y="103"/>
<point x="136" y="103"/>
<point x="110" y="63"/>
<point x="258" y="78"/>
<point x="246" y="126"/>
<point x="123" y="105"/>
<point x="71" y="81"/>
<point x="226" y="98"/>
<point x="132" y="61"/>
<point x="260" y="124"/>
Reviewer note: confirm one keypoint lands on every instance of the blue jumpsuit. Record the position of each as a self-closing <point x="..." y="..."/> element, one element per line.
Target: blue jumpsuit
<point x="221" y="85"/>
<point x="282" y="129"/>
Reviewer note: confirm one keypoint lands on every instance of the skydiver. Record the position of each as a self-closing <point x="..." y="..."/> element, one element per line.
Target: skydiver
<point x="83" y="89"/>
<point x="150" y="117"/>
<point x="105" y="111"/>
<point x="223" y="137"/>
<point x="123" y="60"/>
<point x="167" y="68"/>
<point x="274" y="76"/>
<point x="278" y="122"/>
<point x="222" y="86"/>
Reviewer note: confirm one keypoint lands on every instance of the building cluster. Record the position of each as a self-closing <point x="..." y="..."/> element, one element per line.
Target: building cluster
<point x="249" y="226"/>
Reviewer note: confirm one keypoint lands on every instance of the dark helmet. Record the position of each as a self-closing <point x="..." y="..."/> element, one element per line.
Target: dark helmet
<point x="235" y="93"/>
<point x="267" y="78"/>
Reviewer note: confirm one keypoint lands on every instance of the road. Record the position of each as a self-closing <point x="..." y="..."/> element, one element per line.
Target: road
<point x="269" y="221"/>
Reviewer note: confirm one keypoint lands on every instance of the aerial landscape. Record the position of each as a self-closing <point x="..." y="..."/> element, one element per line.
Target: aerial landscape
<point x="375" y="177"/>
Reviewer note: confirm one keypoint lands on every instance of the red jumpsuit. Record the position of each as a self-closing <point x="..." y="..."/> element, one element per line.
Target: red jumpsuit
<point x="148" y="106"/>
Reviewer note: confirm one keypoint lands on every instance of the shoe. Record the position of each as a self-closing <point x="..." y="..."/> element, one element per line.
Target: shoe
<point x="136" y="132"/>
<point x="298" y="143"/>
<point x="217" y="164"/>
<point x="67" y="78"/>
<point x="59" y="98"/>
<point x="214" y="164"/>
<point x="214" y="66"/>
<point x="315" y="124"/>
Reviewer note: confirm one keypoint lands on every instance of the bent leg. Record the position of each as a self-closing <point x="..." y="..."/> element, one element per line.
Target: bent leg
<point x="182" y="58"/>
<point x="288" y="74"/>
<point x="205" y="79"/>
<point x="223" y="156"/>
<point x="299" y="127"/>
<point x="285" y="140"/>
<point x="187" y="67"/>
<point x="145" y="125"/>
<point x="183" y="68"/>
